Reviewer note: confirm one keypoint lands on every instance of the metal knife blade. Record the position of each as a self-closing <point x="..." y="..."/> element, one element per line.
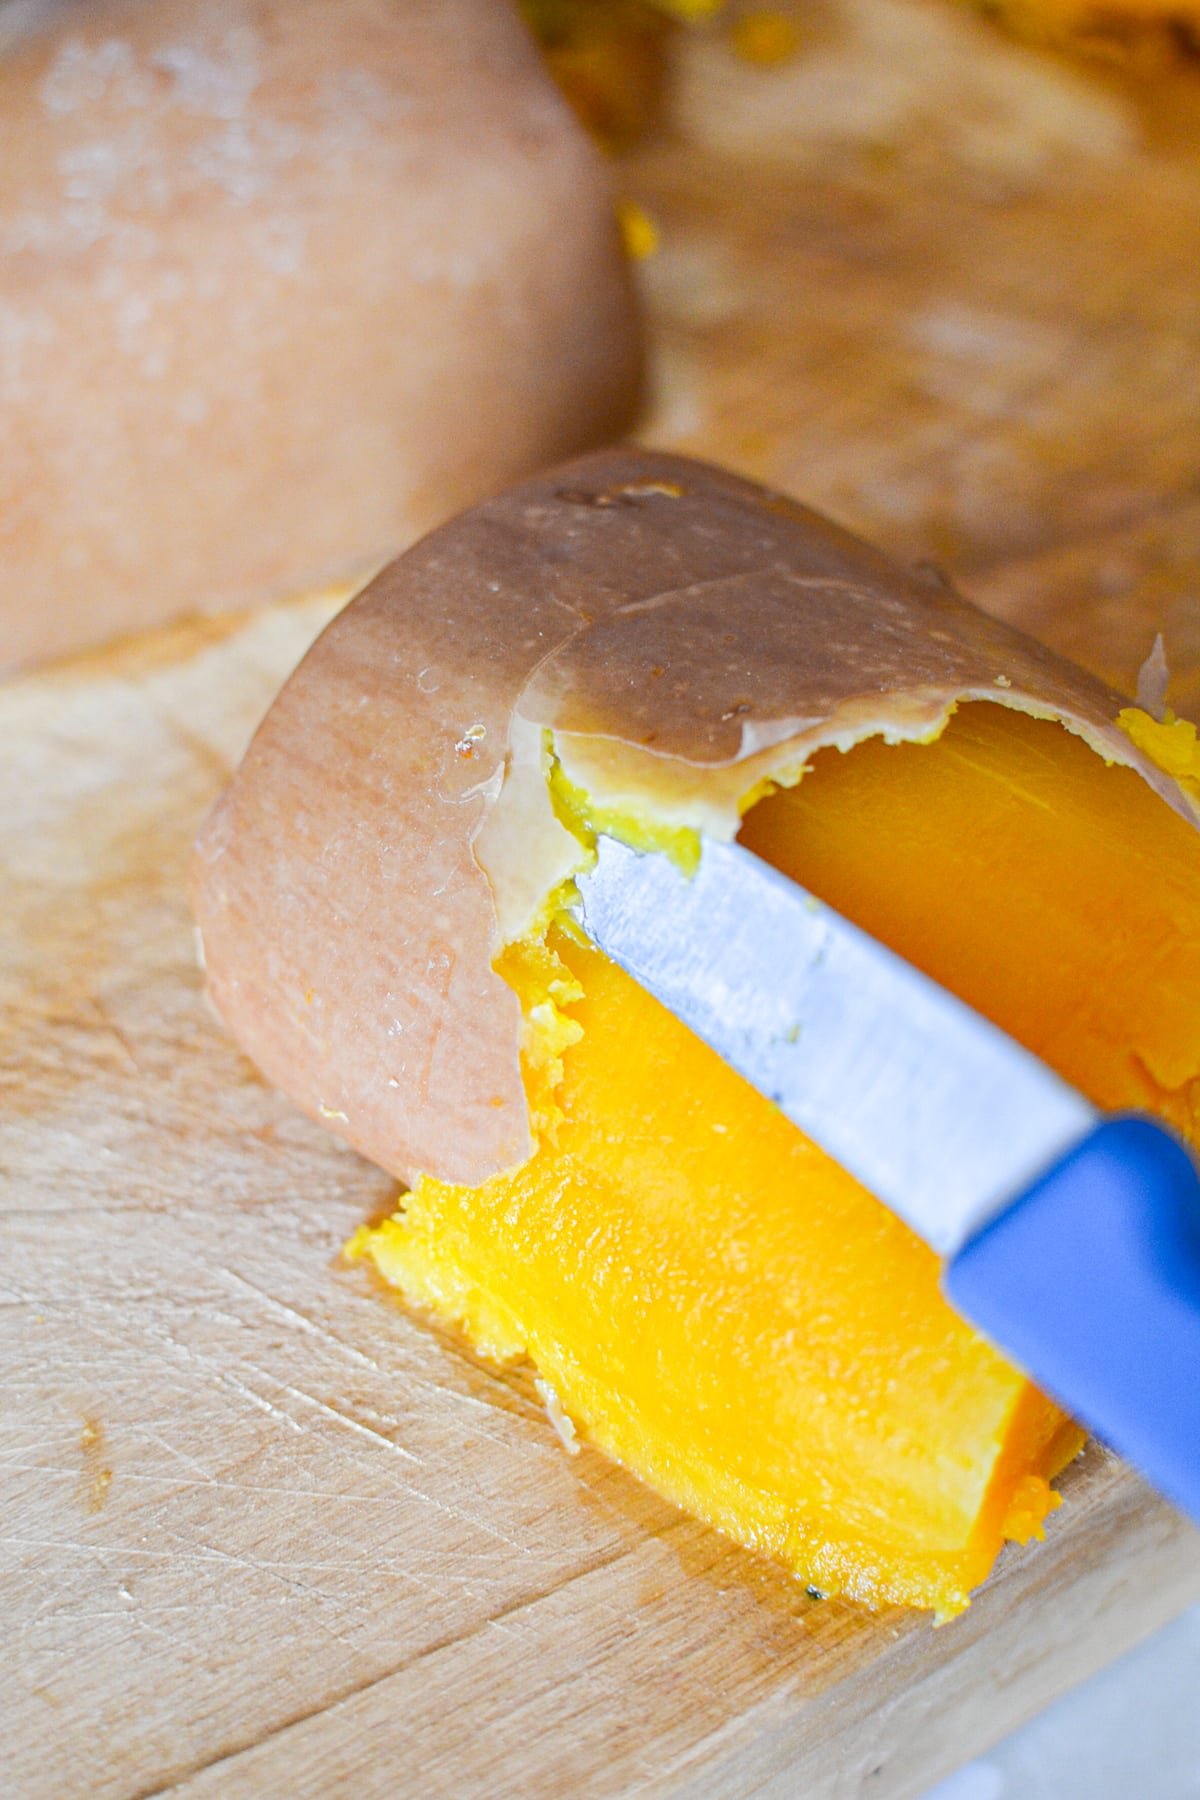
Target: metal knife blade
<point x="930" y="1106"/>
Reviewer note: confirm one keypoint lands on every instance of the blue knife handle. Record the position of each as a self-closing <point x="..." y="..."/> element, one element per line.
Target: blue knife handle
<point x="1091" y="1282"/>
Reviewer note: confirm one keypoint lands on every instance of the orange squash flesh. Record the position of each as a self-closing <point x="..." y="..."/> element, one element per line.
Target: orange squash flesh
<point x="1057" y="896"/>
<point x="713" y="1300"/>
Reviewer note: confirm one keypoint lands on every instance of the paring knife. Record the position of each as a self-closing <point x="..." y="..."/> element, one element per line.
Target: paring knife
<point x="1071" y="1240"/>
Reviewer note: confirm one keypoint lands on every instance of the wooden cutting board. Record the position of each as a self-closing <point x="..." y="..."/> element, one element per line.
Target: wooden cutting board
<point x="263" y="1533"/>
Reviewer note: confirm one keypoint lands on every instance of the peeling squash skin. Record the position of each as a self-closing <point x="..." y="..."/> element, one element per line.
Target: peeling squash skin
<point x="648" y="645"/>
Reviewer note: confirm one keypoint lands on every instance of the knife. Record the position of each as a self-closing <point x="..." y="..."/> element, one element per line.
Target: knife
<point x="1070" y="1239"/>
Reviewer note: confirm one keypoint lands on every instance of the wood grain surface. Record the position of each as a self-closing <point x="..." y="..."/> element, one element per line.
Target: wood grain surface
<point x="945" y="288"/>
<point x="264" y="1534"/>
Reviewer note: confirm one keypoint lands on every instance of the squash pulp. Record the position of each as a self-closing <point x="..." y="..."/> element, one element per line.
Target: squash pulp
<point x="712" y="1299"/>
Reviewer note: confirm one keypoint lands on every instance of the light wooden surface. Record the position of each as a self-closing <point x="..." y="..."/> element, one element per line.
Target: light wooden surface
<point x="262" y="1533"/>
<point x="945" y="288"/>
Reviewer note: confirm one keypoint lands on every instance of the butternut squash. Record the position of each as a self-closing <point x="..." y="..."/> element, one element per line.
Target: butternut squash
<point x="645" y="645"/>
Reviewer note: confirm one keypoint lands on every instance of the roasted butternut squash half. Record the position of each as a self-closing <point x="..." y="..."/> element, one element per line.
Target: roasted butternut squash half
<point x="648" y="646"/>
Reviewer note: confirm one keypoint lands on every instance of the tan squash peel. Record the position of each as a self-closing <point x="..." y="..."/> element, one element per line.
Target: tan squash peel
<point x="651" y="645"/>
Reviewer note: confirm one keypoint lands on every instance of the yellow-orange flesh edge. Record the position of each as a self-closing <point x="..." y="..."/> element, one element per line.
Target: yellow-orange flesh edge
<point x="713" y="1300"/>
